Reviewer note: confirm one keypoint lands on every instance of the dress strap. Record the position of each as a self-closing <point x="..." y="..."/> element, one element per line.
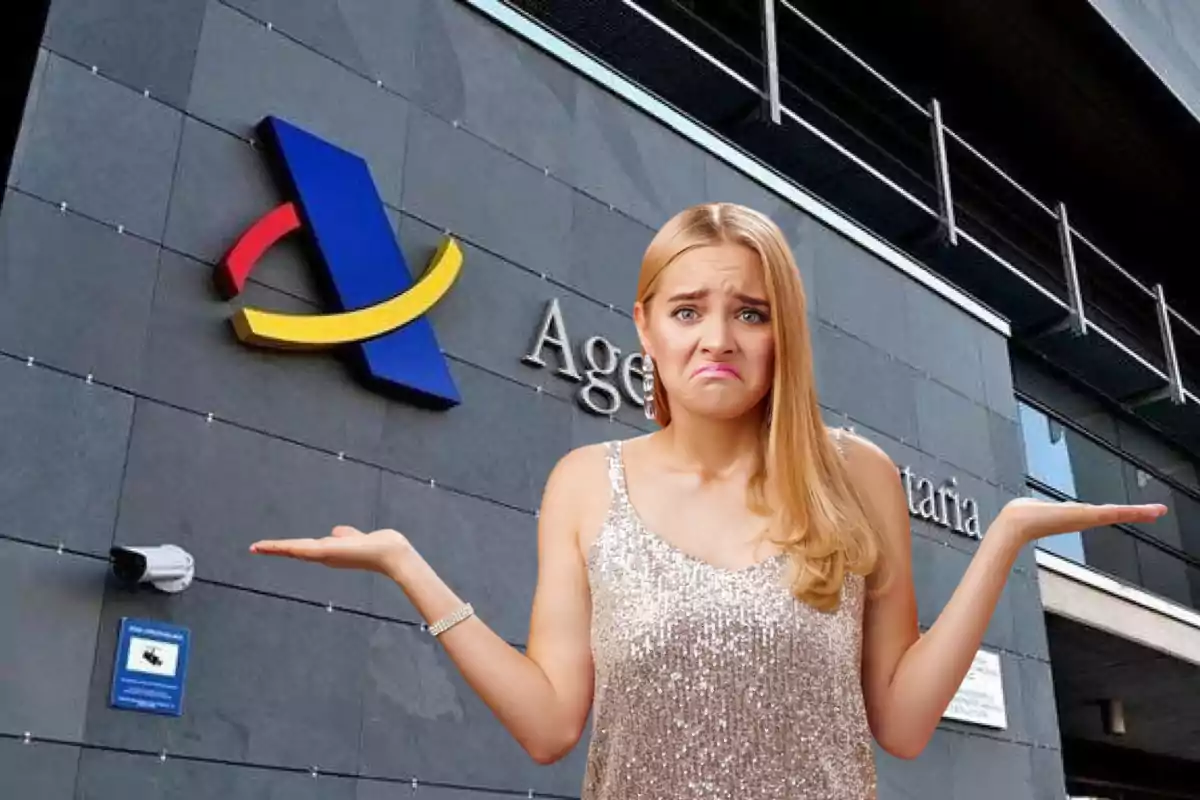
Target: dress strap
<point x="616" y="471"/>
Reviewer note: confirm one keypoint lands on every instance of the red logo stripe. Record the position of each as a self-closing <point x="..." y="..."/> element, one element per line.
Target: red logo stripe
<point x="232" y="272"/>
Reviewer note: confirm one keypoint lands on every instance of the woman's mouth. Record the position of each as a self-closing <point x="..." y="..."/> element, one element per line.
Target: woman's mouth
<point x="716" y="371"/>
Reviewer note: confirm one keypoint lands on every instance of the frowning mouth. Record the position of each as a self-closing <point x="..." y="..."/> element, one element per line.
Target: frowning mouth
<point x="716" y="371"/>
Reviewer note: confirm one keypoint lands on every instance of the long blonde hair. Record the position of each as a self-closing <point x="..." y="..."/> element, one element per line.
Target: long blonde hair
<point x="818" y="519"/>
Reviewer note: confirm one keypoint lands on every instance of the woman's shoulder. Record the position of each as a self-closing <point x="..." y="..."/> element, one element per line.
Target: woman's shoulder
<point x="582" y="468"/>
<point x="859" y="451"/>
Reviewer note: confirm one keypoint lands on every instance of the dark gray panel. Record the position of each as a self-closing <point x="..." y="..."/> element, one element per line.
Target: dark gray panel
<point x="222" y="187"/>
<point x="143" y="45"/>
<point x="73" y="293"/>
<point x="378" y="38"/>
<point x="456" y="181"/>
<point x="865" y="383"/>
<point x="1037" y="687"/>
<point x="422" y="719"/>
<point x="1046" y="767"/>
<point x="724" y="184"/>
<point x="105" y="775"/>
<point x="37" y="770"/>
<point x="502" y="88"/>
<point x="937" y="571"/>
<point x="1164" y="574"/>
<point x="1144" y="445"/>
<point x="485" y="552"/>
<point x="1016" y="703"/>
<point x="606" y="249"/>
<point x="1008" y="448"/>
<point x="193" y="360"/>
<point x="213" y="488"/>
<point x="245" y="72"/>
<point x="34" y="94"/>
<point x="944" y="341"/>
<point x="270" y="681"/>
<point x="500" y="443"/>
<point x="49" y="612"/>
<point x="902" y="455"/>
<point x="104" y="149"/>
<point x="624" y="158"/>
<point x="319" y="24"/>
<point x="402" y="790"/>
<point x="62" y="449"/>
<point x="997" y="374"/>
<point x="1029" y="618"/>
<point x="589" y="429"/>
<point x="986" y="769"/>
<point x="1166" y="36"/>
<point x="859" y="293"/>
<point x="802" y="233"/>
<point x="922" y="777"/>
<point x="954" y="429"/>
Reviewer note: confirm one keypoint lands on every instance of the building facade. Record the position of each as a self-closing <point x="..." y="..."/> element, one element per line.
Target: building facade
<point x="132" y="414"/>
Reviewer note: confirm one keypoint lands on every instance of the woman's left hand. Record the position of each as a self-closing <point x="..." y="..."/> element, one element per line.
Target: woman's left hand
<point x="1032" y="519"/>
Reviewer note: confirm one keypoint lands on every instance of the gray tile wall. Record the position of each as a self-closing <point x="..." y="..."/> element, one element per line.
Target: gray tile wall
<point x="553" y="187"/>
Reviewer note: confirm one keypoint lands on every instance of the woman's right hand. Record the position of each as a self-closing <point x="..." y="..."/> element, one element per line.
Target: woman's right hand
<point x="379" y="551"/>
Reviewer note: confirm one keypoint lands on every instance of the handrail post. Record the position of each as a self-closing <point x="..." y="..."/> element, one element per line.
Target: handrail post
<point x="942" y="166"/>
<point x="771" y="62"/>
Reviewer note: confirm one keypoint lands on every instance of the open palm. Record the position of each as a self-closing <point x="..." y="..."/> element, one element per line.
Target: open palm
<point x="344" y="548"/>
<point x="1038" y="518"/>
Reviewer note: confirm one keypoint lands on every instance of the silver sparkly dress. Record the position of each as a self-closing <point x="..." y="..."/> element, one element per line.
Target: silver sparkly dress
<point x="715" y="683"/>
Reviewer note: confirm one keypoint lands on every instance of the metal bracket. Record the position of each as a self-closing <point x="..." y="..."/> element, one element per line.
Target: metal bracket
<point x="1175" y="386"/>
<point x="1075" y="295"/>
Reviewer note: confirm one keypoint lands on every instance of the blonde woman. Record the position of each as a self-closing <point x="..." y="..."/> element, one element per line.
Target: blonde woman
<point x="731" y="595"/>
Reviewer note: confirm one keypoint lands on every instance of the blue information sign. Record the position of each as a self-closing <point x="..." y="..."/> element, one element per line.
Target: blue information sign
<point x="151" y="665"/>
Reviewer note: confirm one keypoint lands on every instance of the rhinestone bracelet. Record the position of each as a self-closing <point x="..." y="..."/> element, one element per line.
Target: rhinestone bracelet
<point x="449" y="621"/>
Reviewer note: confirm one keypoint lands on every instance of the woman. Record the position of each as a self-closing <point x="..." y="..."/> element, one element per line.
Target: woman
<point x="731" y="595"/>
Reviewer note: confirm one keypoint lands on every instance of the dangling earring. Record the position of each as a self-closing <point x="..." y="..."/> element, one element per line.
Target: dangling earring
<point x="648" y="386"/>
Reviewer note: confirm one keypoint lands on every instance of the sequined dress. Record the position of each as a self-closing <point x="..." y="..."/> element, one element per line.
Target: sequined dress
<point x="715" y="683"/>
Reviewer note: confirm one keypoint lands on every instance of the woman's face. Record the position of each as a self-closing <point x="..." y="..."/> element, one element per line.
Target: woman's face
<point x="708" y="329"/>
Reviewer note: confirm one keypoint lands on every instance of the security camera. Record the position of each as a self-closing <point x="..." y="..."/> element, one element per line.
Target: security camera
<point x="166" y="567"/>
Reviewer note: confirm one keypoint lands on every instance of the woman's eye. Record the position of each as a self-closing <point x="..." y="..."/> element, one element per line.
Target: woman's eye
<point x="685" y="314"/>
<point x="753" y="316"/>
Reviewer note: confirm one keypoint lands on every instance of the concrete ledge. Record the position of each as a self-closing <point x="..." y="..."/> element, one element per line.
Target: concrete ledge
<point x="1099" y="601"/>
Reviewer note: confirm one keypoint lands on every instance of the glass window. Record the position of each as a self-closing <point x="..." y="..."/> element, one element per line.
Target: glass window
<point x="1046" y="453"/>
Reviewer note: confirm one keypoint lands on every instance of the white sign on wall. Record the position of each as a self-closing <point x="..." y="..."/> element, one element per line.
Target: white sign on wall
<point x="980" y="698"/>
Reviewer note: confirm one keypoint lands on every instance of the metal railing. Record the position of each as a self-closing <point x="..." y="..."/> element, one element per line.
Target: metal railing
<point x="970" y="196"/>
<point x="1165" y="361"/>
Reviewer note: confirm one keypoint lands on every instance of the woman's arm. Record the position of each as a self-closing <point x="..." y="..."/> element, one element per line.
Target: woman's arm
<point x="909" y="679"/>
<point x="542" y="697"/>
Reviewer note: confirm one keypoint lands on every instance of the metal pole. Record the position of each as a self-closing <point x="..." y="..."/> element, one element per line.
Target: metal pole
<point x="942" y="166"/>
<point x="771" y="62"/>
<point x="1168" y="342"/>
<point x="1078" y="320"/>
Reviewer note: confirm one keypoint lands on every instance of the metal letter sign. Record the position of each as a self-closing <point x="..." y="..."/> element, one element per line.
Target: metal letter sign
<point x="335" y="201"/>
<point x="150" y="667"/>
